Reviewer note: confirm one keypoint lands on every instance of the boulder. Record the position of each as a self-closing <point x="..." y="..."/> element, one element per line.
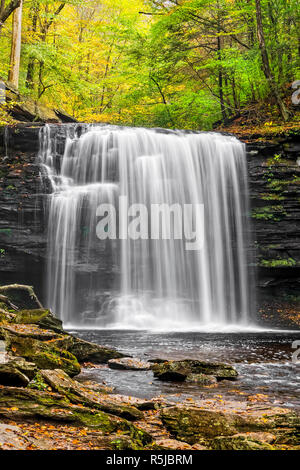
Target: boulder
<point x="199" y="425"/>
<point x="195" y="425"/>
<point x="26" y="341"/>
<point x="171" y="371"/>
<point x="180" y="370"/>
<point x="91" y="352"/>
<point x="128" y="363"/>
<point x="79" y="394"/>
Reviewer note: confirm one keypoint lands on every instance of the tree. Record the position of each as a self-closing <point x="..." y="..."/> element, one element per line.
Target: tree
<point x="14" y="71"/>
<point x="266" y="63"/>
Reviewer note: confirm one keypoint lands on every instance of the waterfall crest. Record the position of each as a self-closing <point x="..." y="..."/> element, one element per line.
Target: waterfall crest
<point x="145" y="283"/>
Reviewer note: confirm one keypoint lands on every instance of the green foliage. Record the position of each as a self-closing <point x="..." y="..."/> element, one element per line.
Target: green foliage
<point x="278" y="263"/>
<point x="181" y="64"/>
<point x="272" y="213"/>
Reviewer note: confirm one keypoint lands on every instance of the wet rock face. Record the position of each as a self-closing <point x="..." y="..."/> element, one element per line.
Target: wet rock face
<point x="274" y="177"/>
<point x="22" y="216"/>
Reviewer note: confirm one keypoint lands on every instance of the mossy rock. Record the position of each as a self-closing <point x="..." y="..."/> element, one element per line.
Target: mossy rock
<point x="22" y="296"/>
<point x="41" y="317"/>
<point x="86" y="351"/>
<point x="79" y="394"/>
<point x="192" y="425"/>
<point x="38" y="383"/>
<point x="44" y="354"/>
<point x="180" y="370"/>
<point x="24" y="403"/>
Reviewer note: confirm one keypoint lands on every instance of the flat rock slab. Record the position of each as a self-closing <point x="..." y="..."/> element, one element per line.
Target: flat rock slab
<point x="12" y="438"/>
<point x="128" y="363"/>
<point x="31" y="331"/>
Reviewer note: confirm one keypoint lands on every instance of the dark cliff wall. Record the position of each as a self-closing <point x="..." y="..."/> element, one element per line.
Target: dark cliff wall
<point x="274" y="177"/>
<point x="22" y="217"/>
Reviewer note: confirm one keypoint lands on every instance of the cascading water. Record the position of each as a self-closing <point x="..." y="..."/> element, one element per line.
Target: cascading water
<point x="146" y="283"/>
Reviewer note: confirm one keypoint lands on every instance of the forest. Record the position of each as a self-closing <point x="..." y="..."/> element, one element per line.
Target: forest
<point x="190" y="64"/>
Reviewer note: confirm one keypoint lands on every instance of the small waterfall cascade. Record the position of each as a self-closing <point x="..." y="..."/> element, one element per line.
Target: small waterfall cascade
<point x="146" y="282"/>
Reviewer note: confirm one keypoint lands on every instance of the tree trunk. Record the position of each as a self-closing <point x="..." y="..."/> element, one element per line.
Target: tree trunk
<point x="5" y="12"/>
<point x="31" y="63"/>
<point x="220" y="80"/>
<point x="266" y="63"/>
<point x="13" y="76"/>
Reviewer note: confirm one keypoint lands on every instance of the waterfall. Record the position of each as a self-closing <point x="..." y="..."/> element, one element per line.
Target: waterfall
<point x="145" y="283"/>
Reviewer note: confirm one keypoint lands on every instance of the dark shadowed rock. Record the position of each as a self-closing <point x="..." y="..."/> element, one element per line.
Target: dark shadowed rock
<point x="23" y="297"/>
<point x="128" y="363"/>
<point x="10" y="375"/>
<point x="91" y="352"/>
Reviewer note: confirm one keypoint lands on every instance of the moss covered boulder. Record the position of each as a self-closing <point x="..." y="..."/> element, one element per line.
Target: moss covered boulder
<point x="40" y="317"/>
<point x="180" y="370"/>
<point x="91" y="352"/>
<point x="192" y="425"/>
<point x="21" y="296"/>
<point x="45" y="354"/>
<point x="198" y="425"/>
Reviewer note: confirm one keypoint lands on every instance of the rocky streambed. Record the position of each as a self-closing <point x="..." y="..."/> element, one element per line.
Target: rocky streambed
<point x="47" y="403"/>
